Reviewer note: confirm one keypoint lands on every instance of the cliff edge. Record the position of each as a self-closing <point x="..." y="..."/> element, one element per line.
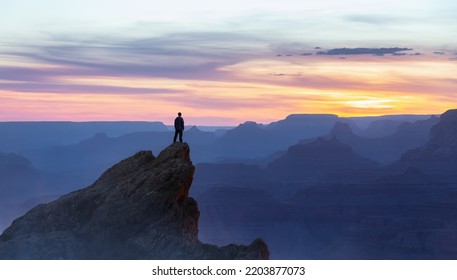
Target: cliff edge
<point x="138" y="209"/>
<point x="439" y="154"/>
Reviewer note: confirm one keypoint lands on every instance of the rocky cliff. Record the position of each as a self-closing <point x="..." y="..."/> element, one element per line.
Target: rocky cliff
<point x="439" y="154"/>
<point x="138" y="209"/>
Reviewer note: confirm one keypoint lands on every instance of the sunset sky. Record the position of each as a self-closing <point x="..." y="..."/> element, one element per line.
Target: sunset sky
<point x="225" y="62"/>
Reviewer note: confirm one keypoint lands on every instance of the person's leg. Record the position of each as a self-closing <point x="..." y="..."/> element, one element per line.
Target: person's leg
<point x="176" y="135"/>
<point x="180" y="136"/>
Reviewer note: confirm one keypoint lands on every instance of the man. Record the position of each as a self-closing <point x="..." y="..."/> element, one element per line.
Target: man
<point x="179" y="127"/>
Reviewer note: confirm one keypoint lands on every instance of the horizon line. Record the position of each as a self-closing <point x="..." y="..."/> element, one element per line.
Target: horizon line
<point x="221" y="125"/>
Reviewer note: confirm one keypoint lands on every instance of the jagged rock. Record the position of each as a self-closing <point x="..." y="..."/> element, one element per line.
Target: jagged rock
<point x="138" y="209"/>
<point x="439" y="154"/>
<point x="443" y="140"/>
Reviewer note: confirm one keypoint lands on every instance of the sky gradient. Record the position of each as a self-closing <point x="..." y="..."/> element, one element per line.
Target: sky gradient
<point x="225" y="62"/>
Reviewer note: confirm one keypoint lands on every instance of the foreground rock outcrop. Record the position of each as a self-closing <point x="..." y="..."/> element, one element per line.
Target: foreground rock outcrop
<point x="138" y="209"/>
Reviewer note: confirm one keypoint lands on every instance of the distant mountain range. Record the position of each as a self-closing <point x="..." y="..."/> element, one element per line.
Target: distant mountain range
<point x="21" y="136"/>
<point x="17" y="176"/>
<point x="71" y="154"/>
<point x="312" y="186"/>
<point x="389" y="148"/>
<point x="405" y="210"/>
<point x="19" y="181"/>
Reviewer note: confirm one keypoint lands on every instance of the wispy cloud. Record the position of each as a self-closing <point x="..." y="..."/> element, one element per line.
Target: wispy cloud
<point x="376" y="19"/>
<point x="177" y="55"/>
<point x="202" y="73"/>
<point x="83" y="89"/>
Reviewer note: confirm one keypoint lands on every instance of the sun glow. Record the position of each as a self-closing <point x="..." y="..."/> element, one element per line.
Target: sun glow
<point x="222" y="63"/>
<point x="260" y="90"/>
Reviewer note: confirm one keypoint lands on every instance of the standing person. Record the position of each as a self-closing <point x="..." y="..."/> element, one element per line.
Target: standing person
<point x="179" y="127"/>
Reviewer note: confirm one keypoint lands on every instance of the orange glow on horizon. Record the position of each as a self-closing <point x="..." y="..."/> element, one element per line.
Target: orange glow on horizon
<point x="259" y="90"/>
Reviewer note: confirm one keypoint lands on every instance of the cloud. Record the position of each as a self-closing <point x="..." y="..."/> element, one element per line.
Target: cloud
<point x="286" y="74"/>
<point x="83" y="89"/>
<point x="373" y="19"/>
<point x="247" y="101"/>
<point x="196" y="55"/>
<point x="24" y="74"/>
<point x="362" y="51"/>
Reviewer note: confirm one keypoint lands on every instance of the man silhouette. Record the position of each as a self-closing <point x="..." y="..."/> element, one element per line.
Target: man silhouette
<point x="179" y="127"/>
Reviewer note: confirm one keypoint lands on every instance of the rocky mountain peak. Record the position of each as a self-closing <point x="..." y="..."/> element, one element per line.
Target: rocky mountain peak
<point x="449" y="116"/>
<point x="439" y="155"/>
<point x="341" y="129"/>
<point x="443" y="136"/>
<point x="194" y="129"/>
<point x="138" y="209"/>
<point x="250" y="125"/>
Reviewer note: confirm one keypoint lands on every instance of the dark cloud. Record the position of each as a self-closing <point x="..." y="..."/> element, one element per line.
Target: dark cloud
<point x="439" y="53"/>
<point x="307" y="54"/>
<point x="362" y="51"/>
<point x="285" y="74"/>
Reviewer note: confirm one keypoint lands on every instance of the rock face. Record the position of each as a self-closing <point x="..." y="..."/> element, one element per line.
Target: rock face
<point x="439" y="155"/>
<point x="138" y="209"/>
